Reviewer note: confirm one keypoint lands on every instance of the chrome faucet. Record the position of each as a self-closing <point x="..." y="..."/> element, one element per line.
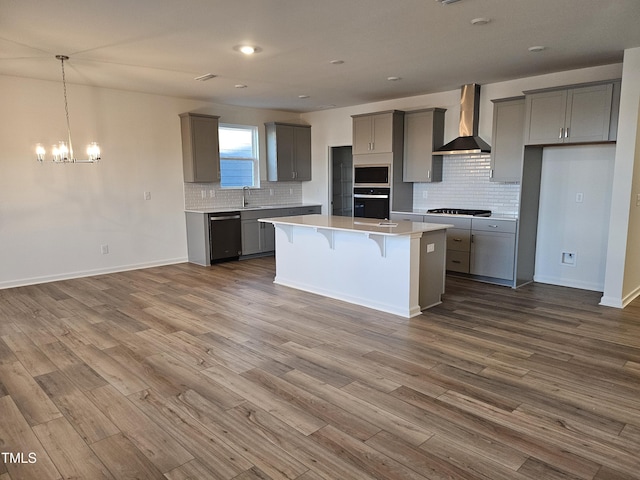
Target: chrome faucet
<point x="245" y="191"/>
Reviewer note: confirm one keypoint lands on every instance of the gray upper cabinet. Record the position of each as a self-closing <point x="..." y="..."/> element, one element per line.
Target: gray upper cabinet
<point x="423" y="133"/>
<point x="288" y="152"/>
<point x="200" y="150"/>
<point x="373" y="133"/>
<point x="507" y="140"/>
<point x="579" y="114"/>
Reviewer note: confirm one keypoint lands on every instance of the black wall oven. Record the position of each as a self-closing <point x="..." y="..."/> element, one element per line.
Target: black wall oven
<point x="371" y="202"/>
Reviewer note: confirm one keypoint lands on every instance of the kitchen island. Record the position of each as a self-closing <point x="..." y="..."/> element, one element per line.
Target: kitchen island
<point x="393" y="267"/>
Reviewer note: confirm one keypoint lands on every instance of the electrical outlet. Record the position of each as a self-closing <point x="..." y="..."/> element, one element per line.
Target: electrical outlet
<point x="424" y="194"/>
<point x="104" y="249"/>
<point x="638" y="200"/>
<point x="271" y="192"/>
<point x="147" y="195"/>
<point x="579" y="197"/>
<point x="212" y="193"/>
<point x="203" y="193"/>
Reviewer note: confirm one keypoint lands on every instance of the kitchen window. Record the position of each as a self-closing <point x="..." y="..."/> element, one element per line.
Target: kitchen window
<point x="238" y="156"/>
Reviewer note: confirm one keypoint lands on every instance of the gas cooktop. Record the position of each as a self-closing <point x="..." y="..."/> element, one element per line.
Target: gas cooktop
<point x="461" y="211"/>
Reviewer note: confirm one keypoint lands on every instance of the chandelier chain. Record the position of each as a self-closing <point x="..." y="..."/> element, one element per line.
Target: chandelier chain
<point x="66" y="106"/>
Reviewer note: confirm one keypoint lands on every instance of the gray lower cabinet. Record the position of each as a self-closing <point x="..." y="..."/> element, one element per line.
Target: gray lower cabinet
<point x="406" y="217"/>
<point x="458" y="241"/>
<point x="492" y="248"/>
<point x="259" y="238"/>
<point x="479" y="246"/>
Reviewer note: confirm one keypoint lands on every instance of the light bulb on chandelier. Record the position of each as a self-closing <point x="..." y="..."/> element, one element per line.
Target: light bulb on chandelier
<point x="63" y="152"/>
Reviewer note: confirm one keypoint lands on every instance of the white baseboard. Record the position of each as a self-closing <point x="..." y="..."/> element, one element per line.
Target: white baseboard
<point x="88" y="273"/>
<point x="563" y="282"/>
<point x="620" y="302"/>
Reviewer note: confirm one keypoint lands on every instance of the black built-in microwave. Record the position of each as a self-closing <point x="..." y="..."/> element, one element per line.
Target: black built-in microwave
<point x="371" y="175"/>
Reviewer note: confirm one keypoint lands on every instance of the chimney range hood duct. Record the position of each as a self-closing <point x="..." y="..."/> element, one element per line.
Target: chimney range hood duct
<point x="468" y="142"/>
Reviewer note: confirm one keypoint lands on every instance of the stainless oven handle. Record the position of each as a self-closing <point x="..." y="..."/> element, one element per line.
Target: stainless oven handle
<point x="226" y="217"/>
<point x="362" y="195"/>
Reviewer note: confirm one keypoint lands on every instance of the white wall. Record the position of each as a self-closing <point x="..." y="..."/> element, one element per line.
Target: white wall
<point x="566" y="225"/>
<point x="54" y="218"/>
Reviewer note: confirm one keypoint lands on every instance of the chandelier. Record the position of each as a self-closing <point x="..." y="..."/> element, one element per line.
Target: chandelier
<point x="62" y="152"/>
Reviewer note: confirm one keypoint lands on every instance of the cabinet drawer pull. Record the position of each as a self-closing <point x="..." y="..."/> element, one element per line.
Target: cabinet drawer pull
<point x="456" y="261"/>
<point x="492" y="226"/>
<point x="456" y="239"/>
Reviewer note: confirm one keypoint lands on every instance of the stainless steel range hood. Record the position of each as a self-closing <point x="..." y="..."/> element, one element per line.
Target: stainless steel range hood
<point x="468" y="142"/>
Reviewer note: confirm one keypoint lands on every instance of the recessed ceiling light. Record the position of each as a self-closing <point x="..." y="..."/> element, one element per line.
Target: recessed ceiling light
<point x="336" y="62"/>
<point x="247" y="49"/>
<point x="394" y="79"/>
<point x="240" y="85"/>
<point x="446" y="2"/>
<point x="303" y="96"/>
<point x="324" y="107"/>
<point x="537" y="48"/>
<point x="480" y="21"/>
<point x="205" y="77"/>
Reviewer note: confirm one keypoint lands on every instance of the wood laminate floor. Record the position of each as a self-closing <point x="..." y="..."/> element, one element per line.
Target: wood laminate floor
<point x="216" y="373"/>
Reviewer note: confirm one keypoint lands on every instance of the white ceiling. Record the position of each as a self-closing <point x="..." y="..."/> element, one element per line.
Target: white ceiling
<point x="159" y="46"/>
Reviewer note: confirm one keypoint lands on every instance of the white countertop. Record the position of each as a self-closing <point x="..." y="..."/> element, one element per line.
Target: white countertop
<point x="249" y="208"/>
<point x="364" y="225"/>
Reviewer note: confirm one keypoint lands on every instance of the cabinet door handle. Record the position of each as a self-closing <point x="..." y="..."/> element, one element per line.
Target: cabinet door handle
<point x="429" y="174"/>
<point x="491" y="173"/>
<point x="566" y="133"/>
<point x="561" y="133"/>
<point x="456" y="261"/>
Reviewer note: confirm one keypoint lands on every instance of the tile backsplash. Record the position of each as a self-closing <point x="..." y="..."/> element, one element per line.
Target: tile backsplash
<point x="211" y="195"/>
<point x="465" y="184"/>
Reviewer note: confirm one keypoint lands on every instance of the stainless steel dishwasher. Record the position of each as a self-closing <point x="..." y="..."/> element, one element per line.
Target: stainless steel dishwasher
<point x="225" y="238"/>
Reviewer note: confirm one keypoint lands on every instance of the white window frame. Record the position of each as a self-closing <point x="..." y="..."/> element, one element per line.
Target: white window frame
<point x="255" y="155"/>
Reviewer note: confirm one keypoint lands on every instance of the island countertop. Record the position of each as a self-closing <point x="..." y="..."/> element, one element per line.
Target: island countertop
<point x="356" y="224"/>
